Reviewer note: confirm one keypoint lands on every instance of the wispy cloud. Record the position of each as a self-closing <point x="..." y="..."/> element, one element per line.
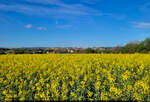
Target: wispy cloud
<point x="91" y="1"/>
<point x="28" y="26"/>
<point x="57" y="3"/>
<point x="145" y="25"/>
<point x="55" y="7"/>
<point x="145" y="7"/>
<point x="56" y="22"/>
<point x="42" y="28"/>
<point x="115" y="16"/>
<point x="64" y="26"/>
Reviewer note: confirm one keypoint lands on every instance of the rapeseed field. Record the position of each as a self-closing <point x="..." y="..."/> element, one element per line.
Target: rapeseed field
<point x="75" y="77"/>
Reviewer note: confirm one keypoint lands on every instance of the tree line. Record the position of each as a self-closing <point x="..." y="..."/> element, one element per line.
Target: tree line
<point x="131" y="47"/>
<point x="134" y="47"/>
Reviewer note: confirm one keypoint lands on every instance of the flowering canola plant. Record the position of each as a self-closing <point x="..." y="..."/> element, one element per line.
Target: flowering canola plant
<point x="75" y="77"/>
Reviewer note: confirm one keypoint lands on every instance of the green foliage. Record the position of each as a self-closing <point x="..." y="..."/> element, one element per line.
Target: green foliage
<point x="133" y="47"/>
<point x="89" y="50"/>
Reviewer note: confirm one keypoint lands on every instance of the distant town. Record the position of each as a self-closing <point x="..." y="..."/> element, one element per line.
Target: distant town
<point x="131" y="47"/>
<point x="42" y="50"/>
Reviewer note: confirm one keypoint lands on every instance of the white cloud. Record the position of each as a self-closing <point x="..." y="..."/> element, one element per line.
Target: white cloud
<point x="42" y="28"/>
<point x="28" y="26"/>
<point x="142" y="25"/>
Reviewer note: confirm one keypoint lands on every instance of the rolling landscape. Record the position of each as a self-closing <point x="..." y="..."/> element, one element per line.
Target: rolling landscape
<point x="74" y="50"/>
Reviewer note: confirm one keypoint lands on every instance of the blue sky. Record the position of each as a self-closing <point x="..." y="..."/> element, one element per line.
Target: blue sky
<point x="76" y="23"/>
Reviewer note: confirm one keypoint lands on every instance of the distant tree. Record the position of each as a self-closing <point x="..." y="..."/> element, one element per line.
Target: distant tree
<point x="2" y="52"/>
<point x="130" y="47"/>
<point x="89" y="50"/>
<point x="147" y="44"/>
<point x="98" y="51"/>
<point x="10" y="52"/>
<point x="144" y="46"/>
<point x="107" y="50"/>
<point x="116" y="49"/>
